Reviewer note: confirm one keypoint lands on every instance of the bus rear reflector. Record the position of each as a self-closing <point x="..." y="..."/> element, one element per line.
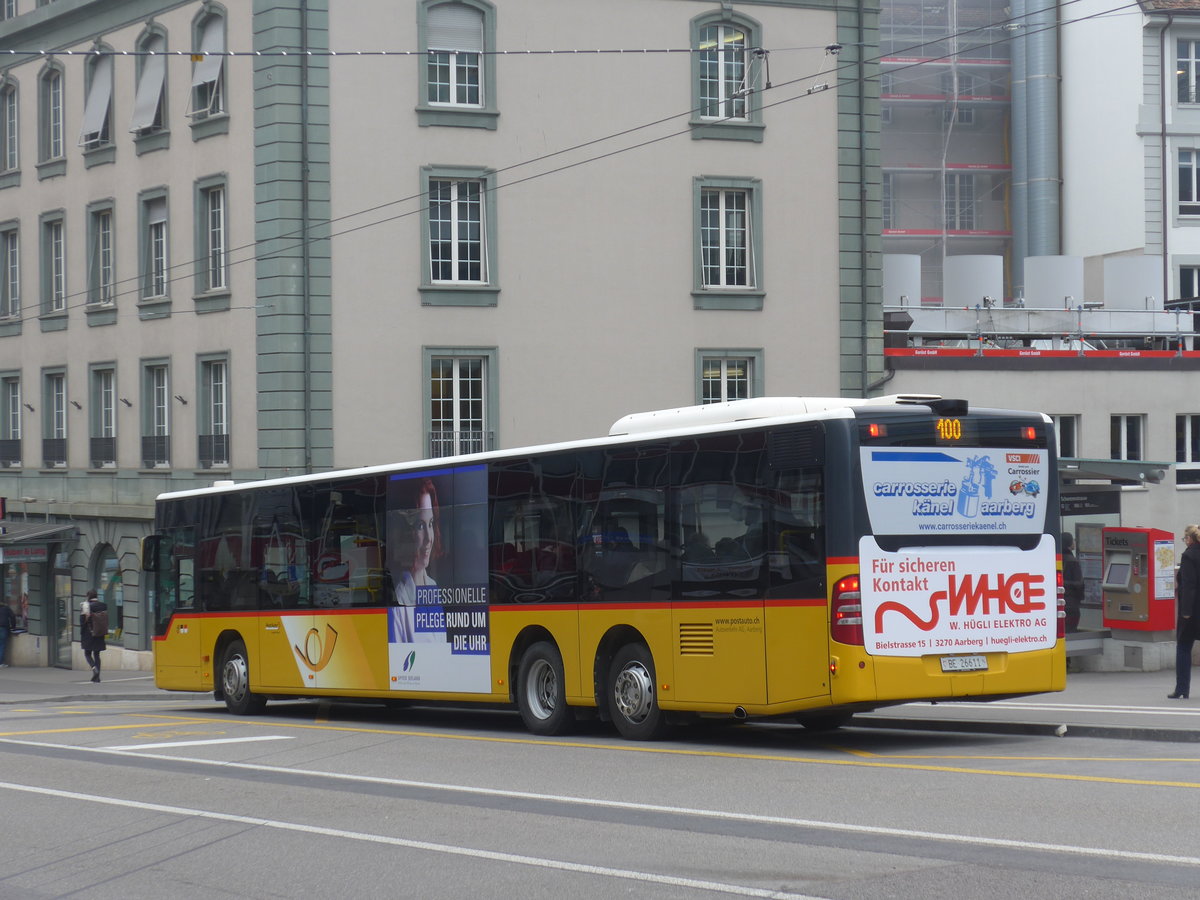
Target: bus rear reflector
<point x="845" y="623"/>
<point x="1061" y="629"/>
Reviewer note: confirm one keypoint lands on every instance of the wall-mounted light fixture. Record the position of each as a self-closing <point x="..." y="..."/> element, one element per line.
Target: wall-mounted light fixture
<point x="180" y="398"/>
<point x="28" y="406"/>
<point x="126" y="402"/>
<point x="75" y="403"/>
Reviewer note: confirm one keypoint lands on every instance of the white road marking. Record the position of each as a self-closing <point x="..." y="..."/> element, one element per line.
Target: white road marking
<point x="515" y="858"/>
<point x="240" y="740"/>
<point x="964" y="839"/>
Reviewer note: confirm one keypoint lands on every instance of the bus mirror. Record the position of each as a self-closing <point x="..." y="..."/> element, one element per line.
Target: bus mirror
<point x="150" y="553"/>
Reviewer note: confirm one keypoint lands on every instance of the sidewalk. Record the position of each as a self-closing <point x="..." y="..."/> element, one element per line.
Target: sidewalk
<point x="1128" y="705"/>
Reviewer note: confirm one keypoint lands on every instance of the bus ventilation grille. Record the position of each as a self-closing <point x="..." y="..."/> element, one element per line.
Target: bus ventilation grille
<point x="696" y="639"/>
<point x="792" y="448"/>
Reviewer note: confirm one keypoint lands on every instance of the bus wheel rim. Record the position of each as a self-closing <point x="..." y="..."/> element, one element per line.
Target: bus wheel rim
<point x="541" y="689"/>
<point x="633" y="692"/>
<point x="237" y="679"/>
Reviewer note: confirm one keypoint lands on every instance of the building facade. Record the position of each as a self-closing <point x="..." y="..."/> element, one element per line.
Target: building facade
<point x="269" y="238"/>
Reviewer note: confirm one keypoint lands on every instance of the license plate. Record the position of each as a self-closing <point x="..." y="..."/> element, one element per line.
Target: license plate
<point x="963" y="663"/>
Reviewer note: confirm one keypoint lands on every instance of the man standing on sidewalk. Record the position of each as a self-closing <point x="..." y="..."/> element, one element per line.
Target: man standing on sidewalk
<point x="8" y="622"/>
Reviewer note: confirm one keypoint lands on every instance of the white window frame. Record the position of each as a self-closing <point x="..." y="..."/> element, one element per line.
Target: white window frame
<point x="959" y="209"/>
<point x="457" y="199"/>
<point x="156" y="406"/>
<point x="1188" y="187"/>
<point x="53" y="142"/>
<point x="214" y="422"/>
<point x="724" y="47"/>
<point x="455" y="39"/>
<point x="725" y="369"/>
<point x="718" y="269"/>
<point x="1127" y="436"/>
<point x="10" y="272"/>
<point x="1066" y="424"/>
<point x="208" y="72"/>
<point x="215" y="231"/>
<point x="102" y="271"/>
<point x="11" y="386"/>
<point x="1187" y="69"/>
<point x="54" y="265"/>
<point x="1187" y="449"/>
<point x="156" y="248"/>
<point x="104" y="414"/>
<point x="10" y="121"/>
<point x="459" y="397"/>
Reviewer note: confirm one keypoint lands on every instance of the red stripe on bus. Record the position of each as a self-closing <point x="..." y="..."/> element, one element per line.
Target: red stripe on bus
<point x="841" y="560"/>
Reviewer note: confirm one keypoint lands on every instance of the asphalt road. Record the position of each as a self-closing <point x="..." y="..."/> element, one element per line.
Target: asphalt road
<point x="175" y="798"/>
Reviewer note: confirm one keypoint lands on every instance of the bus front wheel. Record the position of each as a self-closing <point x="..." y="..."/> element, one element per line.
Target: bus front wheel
<point x="541" y="690"/>
<point x="235" y="682"/>
<point x="632" y="697"/>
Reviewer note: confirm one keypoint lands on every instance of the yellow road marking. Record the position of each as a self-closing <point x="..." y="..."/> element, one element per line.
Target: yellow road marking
<point x="865" y="763"/>
<point x="84" y="728"/>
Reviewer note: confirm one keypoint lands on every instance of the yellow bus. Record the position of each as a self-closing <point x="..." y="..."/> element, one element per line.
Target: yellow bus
<point x="799" y="557"/>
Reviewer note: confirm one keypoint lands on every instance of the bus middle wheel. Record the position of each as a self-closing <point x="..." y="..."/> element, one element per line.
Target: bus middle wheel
<point x="632" y="697"/>
<point x="541" y="690"/>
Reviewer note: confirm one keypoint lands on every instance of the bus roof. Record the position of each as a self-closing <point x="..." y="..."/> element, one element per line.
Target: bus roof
<point x="707" y="419"/>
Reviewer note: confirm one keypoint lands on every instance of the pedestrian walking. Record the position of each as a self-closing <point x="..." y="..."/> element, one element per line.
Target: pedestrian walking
<point x="8" y="621"/>
<point x="1187" y="599"/>
<point x="93" y="627"/>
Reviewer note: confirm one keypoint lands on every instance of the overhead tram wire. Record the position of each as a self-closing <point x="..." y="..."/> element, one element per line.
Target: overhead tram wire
<point x="301" y="240"/>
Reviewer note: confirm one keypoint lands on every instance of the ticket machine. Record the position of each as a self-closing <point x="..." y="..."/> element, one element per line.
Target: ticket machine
<point x="1138" y="583"/>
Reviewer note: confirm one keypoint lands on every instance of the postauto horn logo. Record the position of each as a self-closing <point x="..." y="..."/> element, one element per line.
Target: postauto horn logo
<point x="410" y="660"/>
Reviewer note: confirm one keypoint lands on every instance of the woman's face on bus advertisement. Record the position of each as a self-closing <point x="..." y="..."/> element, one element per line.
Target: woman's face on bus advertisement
<point x="423" y="532"/>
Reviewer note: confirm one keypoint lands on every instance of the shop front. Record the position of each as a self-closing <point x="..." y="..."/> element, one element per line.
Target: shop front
<point x="35" y="575"/>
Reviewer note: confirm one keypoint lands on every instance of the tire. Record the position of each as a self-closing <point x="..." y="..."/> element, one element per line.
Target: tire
<point x="824" y="721"/>
<point x="235" y="682"/>
<point x="632" y="697"/>
<point x="542" y="692"/>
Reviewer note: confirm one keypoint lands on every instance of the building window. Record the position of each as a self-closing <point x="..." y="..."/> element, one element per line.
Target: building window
<point x="726" y="77"/>
<point x="208" y="72"/>
<point x="211" y="229"/>
<point x="103" y="445"/>
<point x="458" y="234"/>
<point x="214" y="412"/>
<point x="457" y="253"/>
<point x="1187" y="449"/>
<point x="51" y="115"/>
<point x="10" y="422"/>
<point x="1125" y="436"/>
<point x="960" y="202"/>
<point x="1189" y="182"/>
<point x="149" y="103"/>
<point x="156" y="416"/>
<point x="9" y="9"/>
<point x="10" y="158"/>
<point x="101" y="271"/>
<point x="54" y="266"/>
<point x="97" y="111"/>
<point x="459" y="389"/>
<point x="155" y="246"/>
<point x="728" y="375"/>
<point x="728" y="243"/>
<point x="54" y="406"/>
<point x="10" y="272"/>
<point x="1066" y="433"/>
<point x="1187" y="77"/>
<point x="459" y="71"/>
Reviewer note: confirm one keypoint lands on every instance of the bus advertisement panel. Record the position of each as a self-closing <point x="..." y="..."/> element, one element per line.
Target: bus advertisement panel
<point x="437" y="555"/>
<point x="936" y="599"/>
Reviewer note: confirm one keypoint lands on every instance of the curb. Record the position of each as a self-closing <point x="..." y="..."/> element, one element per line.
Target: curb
<point x="1039" y="729"/>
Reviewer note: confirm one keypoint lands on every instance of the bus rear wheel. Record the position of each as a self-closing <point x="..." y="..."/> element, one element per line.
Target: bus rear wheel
<point x="631" y="695"/>
<point x="541" y="690"/>
<point x="235" y="682"/>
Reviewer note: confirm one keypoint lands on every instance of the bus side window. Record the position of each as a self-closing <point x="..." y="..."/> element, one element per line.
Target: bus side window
<point x="531" y="543"/>
<point x="797" y="533"/>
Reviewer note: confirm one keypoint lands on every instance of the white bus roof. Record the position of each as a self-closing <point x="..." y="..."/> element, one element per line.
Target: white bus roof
<point x="710" y="418"/>
<point x="690" y="417"/>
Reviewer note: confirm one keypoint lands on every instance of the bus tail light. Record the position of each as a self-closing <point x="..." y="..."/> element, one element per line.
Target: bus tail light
<point x="845" y="623"/>
<point x="1060" y="630"/>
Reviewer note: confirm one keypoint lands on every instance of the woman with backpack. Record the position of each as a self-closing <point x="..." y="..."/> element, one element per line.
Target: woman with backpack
<point x="93" y="627"/>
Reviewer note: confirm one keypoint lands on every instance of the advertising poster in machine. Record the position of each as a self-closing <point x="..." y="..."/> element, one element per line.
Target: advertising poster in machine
<point x="438" y="625"/>
<point x="957" y="599"/>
